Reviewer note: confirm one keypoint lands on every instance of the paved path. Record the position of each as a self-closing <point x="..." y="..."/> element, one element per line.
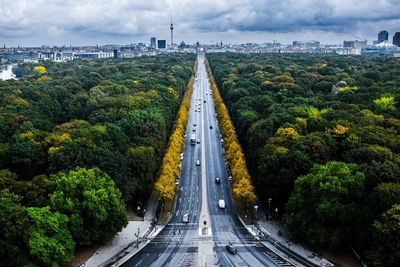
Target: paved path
<point x="118" y="243"/>
<point x="277" y="232"/>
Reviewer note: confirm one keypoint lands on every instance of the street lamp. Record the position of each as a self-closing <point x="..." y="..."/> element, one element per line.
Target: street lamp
<point x="137" y="235"/>
<point x="269" y="207"/>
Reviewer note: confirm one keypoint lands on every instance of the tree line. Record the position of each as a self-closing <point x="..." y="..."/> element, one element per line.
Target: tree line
<point x="242" y="189"/>
<point x="78" y="140"/>
<point x="321" y="137"/>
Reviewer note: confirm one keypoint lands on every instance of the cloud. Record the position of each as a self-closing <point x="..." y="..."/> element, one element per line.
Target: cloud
<point x="134" y="19"/>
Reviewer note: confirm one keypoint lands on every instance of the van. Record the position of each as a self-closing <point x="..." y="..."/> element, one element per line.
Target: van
<point x="221" y="204"/>
<point x="185" y="218"/>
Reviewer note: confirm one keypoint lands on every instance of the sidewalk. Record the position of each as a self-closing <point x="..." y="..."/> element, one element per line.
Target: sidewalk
<point x="119" y="242"/>
<point x="275" y="230"/>
<point x="125" y="240"/>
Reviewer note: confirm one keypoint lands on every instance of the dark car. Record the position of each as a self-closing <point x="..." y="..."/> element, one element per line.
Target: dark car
<point x="210" y="126"/>
<point x="217" y="180"/>
<point x="231" y="249"/>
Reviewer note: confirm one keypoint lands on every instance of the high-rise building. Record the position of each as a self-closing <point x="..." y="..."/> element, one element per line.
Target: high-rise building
<point x="396" y="39"/>
<point x="383" y="36"/>
<point x="153" y="42"/>
<point x="161" y="44"/>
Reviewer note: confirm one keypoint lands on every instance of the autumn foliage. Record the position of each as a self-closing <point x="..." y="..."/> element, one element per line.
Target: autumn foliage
<point x="243" y="190"/>
<point x="165" y="185"/>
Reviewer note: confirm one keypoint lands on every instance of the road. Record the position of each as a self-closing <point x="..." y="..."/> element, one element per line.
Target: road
<point x="178" y="243"/>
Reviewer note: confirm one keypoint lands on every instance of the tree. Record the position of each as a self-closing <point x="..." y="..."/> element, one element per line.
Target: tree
<point x="13" y="224"/>
<point x="48" y="239"/>
<point x="91" y="201"/>
<point x="385" y="103"/>
<point x="324" y="204"/>
<point x="386" y="234"/>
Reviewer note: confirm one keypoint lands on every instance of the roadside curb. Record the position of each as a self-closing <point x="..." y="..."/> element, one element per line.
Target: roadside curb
<point x="125" y="254"/>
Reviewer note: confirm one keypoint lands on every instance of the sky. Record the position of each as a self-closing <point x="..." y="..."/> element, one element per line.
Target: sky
<point x="91" y="22"/>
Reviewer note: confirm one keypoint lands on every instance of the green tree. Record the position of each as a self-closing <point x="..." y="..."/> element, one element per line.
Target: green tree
<point x="13" y="224"/>
<point x="386" y="234"/>
<point x="92" y="202"/>
<point x="323" y="205"/>
<point x="48" y="239"/>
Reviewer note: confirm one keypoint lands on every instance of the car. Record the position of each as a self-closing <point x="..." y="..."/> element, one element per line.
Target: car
<point x="231" y="249"/>
<point x="221" y="204"/>
<point x="210" y="126"/>
<point x="194" y="124"/>
<point x="197" y="162"/>
<point x="194" y="129"/>
<point x="185" y="218"/>
<point x="230" y="179"/>
<point x="181" y="156"/>
<point x="217" y="180"/>
<point x="198" y="141"/>
<point x="204" y="101"/>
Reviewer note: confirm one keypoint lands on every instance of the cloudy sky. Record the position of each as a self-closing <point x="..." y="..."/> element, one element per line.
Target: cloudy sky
<point x="78" y="22"/>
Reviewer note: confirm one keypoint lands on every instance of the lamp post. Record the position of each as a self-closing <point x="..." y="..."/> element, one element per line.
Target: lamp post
<point x="269" y="207"/>
<point x="137" y="236"/>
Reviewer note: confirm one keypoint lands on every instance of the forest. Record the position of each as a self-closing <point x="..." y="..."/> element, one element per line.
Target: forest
<point x="320" y="134"/>
<point x="78" y="141"/>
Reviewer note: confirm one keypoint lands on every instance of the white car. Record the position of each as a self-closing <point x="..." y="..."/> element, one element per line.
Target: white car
<point x="185" y="218"/>
<point x="197" y="162"/>
<point x="221" y="204"/>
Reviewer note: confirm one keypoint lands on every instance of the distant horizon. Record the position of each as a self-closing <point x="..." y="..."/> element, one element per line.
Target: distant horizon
<point x="288" y="41"/>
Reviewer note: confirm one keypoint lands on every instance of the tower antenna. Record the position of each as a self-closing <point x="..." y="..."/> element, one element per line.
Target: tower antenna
<point x="172" y="30"/>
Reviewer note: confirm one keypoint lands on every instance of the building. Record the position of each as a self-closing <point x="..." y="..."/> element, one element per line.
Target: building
<point x="313" y="44"/>
<point x="383" y="36"/>
<point x="93" y="55"/>
<point x="153" y="42"/>
<point x="357" y="44"/>
<point x="396" y="39"/>
<point x="297" y="43"/>
<point x="382" y="49"/>
<point x="161" y="44"/>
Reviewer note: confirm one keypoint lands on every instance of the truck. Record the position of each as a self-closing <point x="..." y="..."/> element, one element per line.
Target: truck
<point x="193" y="139"/>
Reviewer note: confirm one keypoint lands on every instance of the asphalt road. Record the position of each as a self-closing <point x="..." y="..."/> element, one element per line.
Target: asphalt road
<point x="177" y="243"/>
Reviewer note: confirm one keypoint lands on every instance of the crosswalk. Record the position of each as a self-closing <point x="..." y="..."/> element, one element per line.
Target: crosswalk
<point x="278" y="259"/>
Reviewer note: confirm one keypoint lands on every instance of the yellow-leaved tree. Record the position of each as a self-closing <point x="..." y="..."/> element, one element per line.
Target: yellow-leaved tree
<point x="164" y="188"/>
<point x="243" y="190"/>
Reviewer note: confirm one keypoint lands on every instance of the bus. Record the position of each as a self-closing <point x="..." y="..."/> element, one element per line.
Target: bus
<point x="193" y="139"/>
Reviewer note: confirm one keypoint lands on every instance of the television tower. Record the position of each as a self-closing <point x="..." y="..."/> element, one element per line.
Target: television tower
<point x="172" y="31"/>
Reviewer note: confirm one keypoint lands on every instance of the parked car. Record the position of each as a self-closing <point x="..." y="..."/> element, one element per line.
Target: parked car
<point x="217" y="180"/>
<point x="198" y="141"/>
<point x="210" y="126"/>
<point x="197" y="162"/>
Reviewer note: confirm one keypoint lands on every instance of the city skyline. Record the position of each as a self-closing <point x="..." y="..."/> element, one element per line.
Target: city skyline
<point x="39" y="22"/>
